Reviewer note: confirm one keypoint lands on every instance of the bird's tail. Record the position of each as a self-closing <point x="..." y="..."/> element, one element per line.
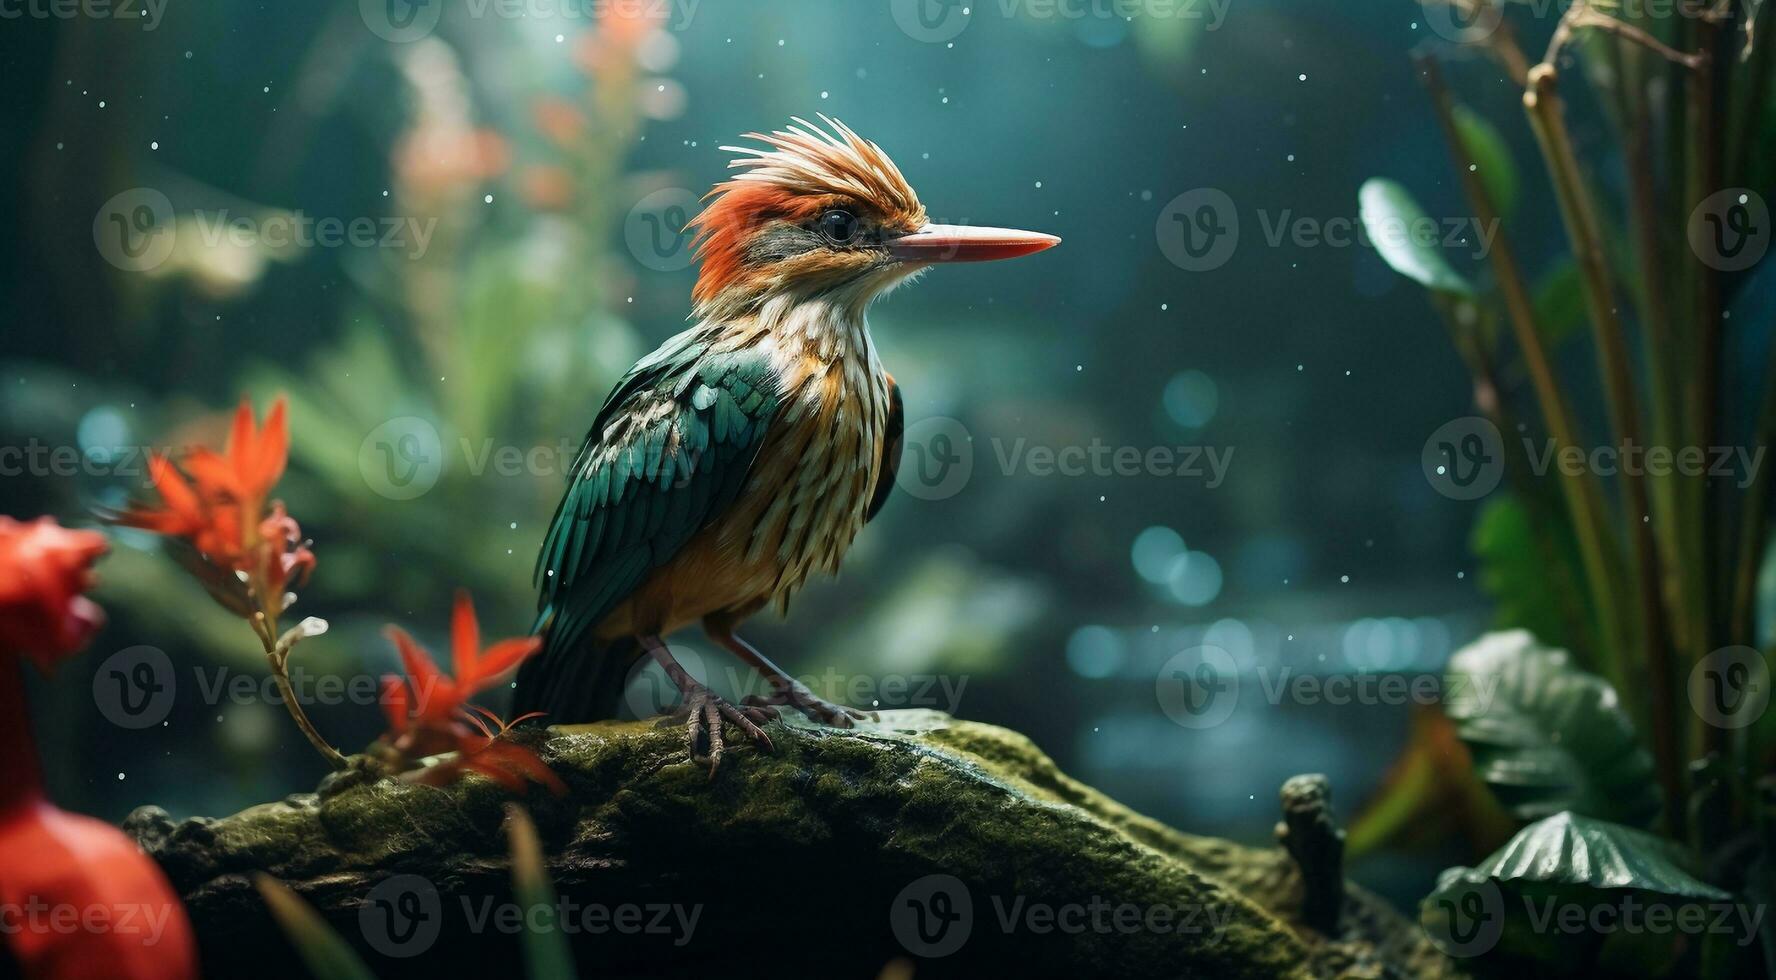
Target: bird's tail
<point x="577" y="681"/>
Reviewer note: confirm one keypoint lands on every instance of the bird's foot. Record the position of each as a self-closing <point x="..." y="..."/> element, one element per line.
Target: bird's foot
<point x="704" y="713"/>
<point x="796" y="695"/>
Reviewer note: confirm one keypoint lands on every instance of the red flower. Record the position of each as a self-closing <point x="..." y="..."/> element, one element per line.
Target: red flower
<point x="86" y="902"/>
<point x="429" y="714"/>
<point x="44" y="568"/>
<point x="218" y="503"/>
<point x="82" y="899"/>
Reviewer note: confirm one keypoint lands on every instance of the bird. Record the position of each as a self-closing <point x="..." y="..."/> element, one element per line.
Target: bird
<point x="744" y="454"/>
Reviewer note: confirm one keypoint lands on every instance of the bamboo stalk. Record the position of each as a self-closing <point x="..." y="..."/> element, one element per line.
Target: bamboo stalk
<point x="1578" y="211"/>
<point x="1584" y="499"/>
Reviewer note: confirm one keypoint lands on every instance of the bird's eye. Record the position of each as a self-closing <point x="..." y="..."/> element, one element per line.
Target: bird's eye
<point x="839" y="227"/>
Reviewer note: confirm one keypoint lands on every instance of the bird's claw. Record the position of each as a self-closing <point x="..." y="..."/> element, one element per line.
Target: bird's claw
<point x="808" y="703"/>
<point x="704" y="714"/>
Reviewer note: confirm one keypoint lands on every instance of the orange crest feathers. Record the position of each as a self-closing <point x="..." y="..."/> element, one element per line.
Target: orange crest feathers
<point x="799" y="172"/>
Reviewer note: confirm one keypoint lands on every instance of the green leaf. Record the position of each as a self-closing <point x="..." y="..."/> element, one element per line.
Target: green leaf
<point x="1406" y="238"/>
<point x="546" y="951"/>
<point x="1545" y="735"/>
<point x="1560" y="303"/>
<point x="326" y="955"/>
<point x="1529" y="570"/>
<point x="1491" y="157"/>
<point x="1525" y="899"/>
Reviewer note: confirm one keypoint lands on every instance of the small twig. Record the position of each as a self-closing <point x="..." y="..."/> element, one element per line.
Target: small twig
<point x="1310" y="835"/>
<point x="1582" y="15"/>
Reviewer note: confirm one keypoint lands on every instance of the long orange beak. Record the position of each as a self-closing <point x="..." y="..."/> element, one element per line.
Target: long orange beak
<point x="966" y="243"/>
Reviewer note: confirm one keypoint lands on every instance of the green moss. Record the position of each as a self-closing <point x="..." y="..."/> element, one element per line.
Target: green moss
<point x="810" y="844"/>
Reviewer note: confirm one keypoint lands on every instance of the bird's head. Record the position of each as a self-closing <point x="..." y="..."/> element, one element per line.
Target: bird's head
<point x="822" y="211"/>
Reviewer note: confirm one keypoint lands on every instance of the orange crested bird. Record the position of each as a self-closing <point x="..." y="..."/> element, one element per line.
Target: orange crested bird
<point x="746" y="452"/>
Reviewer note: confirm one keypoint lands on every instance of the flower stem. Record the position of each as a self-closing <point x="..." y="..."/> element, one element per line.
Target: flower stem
<point x="278" y="658"/>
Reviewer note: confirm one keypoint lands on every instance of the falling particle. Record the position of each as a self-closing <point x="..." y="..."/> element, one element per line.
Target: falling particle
<point x="1473" y="167"/>
<point x="154" y="145"/>
<point x="946" y="101"/>
<point x="187" y="56"/>
<point x="514" y="525"/>
<point x="1291" y="158"/>
<point x="1300" y="367"/>
<point x="1461" y="574"/>
<point x="560" y="38"/>
<point x="1301" y="77"/>
<point x="266" y="89"/>
<point x="1078" y="367"/>
<point x="488" y="199"/>
<point x="825" y="94"/>
<point x="101" y="103"/>
<point x="780" y="42"/>
<point x="1344" y="578"/>
<point x="1039" y="184"/>
<point x="1162" y="307"/>
<point x="120" y="777"/>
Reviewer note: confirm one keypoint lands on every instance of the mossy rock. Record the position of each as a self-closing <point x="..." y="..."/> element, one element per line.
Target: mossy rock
<point x="949" y="846"/>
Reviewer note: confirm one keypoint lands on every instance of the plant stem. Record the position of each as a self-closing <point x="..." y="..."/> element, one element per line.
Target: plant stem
<point x="1586" y="238"/>
<point x="1583" y="499"/>
<point x="266" y="627"/>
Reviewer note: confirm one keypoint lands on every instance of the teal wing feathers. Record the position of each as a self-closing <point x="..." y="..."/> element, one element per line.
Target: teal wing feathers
<point x="669" y="452"/>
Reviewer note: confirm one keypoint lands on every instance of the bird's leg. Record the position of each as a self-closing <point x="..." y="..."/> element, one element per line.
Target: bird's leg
<point x="784" y="688"/>
<point x="704" y="712"/>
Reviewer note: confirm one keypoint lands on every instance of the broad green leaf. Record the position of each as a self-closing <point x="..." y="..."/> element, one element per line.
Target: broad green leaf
<point x="327" y="956"/>
<point x="1560" y="303"/>
<point x="1545" y="735"/>
<point x="1543" y="895"/>
<point x="1491" y="157"/>
<point x="1406" y="238"/>
<point x="546" y="952"/>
